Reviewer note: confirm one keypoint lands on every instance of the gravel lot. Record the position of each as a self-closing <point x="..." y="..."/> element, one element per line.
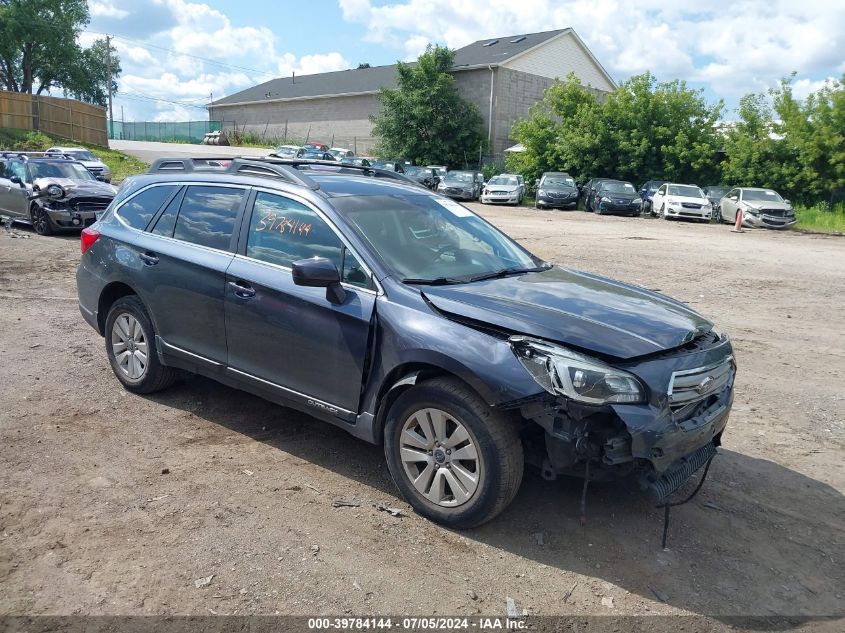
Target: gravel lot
<point x="91" y="524"/>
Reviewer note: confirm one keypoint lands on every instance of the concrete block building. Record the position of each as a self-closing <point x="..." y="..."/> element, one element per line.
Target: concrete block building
<point x="502" y="76"/>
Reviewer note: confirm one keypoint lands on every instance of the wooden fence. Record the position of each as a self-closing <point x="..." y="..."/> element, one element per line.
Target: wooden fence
<point x="67" y="118"/>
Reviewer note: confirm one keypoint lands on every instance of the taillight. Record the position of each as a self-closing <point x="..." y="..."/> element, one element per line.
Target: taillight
<point x="88" y="237"/>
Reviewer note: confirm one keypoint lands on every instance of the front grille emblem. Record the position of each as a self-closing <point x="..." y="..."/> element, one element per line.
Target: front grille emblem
<point x="705" y="384"/>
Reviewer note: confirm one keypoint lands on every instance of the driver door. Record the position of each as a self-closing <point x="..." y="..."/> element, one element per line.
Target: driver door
<point x="13" y="195"/>
<point x="659" y="198"/>
<point x="288" y="339"/>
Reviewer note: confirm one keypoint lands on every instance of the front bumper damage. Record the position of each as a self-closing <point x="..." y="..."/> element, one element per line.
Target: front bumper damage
<point x="659" y="444"/>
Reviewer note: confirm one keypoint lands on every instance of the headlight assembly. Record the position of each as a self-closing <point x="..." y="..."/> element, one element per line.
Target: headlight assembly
<point x="541" y="192"/>
<point x="605" y="199"/>
<point x="561" y="371"/>
<point x="55" y="191"/>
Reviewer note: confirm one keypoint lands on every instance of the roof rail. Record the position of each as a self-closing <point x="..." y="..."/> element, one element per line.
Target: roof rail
<point x="21" y="154"/>
<point x="230" y="165"/>
<point x="290" y="169"/>
<point x="300" y="163"/>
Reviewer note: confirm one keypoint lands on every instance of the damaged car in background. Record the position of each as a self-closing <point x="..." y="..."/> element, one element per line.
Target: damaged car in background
<point x="417" y="325"/>
<point x="51" y="193"/>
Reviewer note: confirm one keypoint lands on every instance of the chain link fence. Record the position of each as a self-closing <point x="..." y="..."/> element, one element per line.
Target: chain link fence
<point x="163" y="131"/>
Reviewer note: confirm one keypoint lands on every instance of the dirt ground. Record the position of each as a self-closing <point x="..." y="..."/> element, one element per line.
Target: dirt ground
<point x="91" y="524"/>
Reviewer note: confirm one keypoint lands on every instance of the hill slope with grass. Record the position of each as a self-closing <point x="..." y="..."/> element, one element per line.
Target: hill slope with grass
<point x="119" y="163"/>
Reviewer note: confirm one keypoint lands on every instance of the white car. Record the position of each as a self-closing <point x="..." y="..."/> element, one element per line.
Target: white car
<point x="91" y="162"/>
<point x="341" y="152"/>
<point x="504" y="188"/>
<point x="681" y="201"/>
<point x="285" y="151"/>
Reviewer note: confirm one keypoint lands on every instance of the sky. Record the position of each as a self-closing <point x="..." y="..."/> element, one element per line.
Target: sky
<point x="178" y="54"/>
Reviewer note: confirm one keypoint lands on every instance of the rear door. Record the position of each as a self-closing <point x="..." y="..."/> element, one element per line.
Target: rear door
<point x="182" y="259"/>
<point x="290" y="339"/>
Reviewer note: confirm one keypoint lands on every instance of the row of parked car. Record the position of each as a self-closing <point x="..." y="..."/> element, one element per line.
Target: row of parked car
<point x="759" y="207"/>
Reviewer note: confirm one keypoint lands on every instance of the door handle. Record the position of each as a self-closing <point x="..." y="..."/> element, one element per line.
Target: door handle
<point x="149" y="259"/>
<point x="242" y="289"/>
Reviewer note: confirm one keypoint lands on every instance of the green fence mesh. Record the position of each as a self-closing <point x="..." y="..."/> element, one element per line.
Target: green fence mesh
<point x="164" y="131"/>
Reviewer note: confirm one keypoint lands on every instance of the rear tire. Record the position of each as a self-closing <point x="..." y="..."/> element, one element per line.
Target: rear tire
<point x="131" y="348"/>
<point x="443" y="416"/>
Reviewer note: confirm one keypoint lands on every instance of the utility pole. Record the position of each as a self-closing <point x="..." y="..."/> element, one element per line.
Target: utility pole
<point x="108" y="74"/>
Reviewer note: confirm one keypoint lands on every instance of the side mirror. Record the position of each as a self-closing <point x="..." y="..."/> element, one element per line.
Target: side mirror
<point x="16" y="180"/>
<point x="786" y="201"/>
<point x="319" y="272"/>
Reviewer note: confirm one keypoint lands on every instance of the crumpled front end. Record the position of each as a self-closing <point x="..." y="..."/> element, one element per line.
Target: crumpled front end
<point x="69" y="205"/>
<point x="660" y="442"/>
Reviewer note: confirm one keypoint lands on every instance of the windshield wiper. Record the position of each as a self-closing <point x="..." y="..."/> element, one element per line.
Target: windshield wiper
<point x="437" y="281"/>
<point x="513" y="270"/>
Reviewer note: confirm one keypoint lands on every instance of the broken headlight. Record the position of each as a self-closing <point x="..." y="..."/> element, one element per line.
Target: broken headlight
<point x="55" y="191"/>
<point x="561" y="371"/>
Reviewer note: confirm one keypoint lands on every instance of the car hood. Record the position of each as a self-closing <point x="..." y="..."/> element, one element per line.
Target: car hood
<point x="585" y="311"/>
<point x="78" y="188"/>
<point x="556" y="189"/>
<point x="687" y="199"/>
<point x="762" y="204"/>
<point x="457" y="183"/>
<point x="510" y="188"/>
<point x="629" y="197"/>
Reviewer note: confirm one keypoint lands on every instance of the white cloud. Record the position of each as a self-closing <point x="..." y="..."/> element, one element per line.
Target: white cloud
<point x="732" y="46"/>
<point x="106" y="8"/>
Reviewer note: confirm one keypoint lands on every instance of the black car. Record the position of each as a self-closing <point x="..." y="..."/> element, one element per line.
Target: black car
<point x="51" y="193"/>
<point x="556" y="190"/>
<point x="588" y="192"/>
<point x="714" y="194"/>
<point x="616" y="196"/>
<point x="356" y="160"/>
<point x="314" y="154"/>
<point x="407" y="320"/>
<point x="426" y="176"/>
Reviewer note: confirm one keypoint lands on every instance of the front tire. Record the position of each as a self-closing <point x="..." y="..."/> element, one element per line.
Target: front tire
<point x="40" y="220"/>
<point x="131" y="348"/>
<point x="457" y="461"/>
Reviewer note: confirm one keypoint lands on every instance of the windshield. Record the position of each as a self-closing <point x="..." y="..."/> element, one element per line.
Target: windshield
<point x="558" y="181"/>
<point x="460" y="176"/>
<point x="717" y="192"/>
<point x="74" y="171"/>
<point x="765" y="195"/>
<point x="509" y="181"/>
<point x="78" y="154"/>
<point x="314" y="154"/>
<point x="618" y="187"/>
<point x="427" y="238"/>
<point x="687" y="191"/>
<point x="411" y="170"/>
<point x="654" y="186"/>
<point x="289" y="152"/>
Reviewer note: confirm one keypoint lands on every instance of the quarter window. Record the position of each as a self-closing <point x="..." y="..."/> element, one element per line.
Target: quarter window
<point x="283" y="231"/>
<point x="140" y="209"/>
<point x="207" y="216"/>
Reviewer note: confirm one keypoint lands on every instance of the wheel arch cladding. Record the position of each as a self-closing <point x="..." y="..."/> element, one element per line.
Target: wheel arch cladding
<point x="111" y="293"/>
<point x="403" y="377"/>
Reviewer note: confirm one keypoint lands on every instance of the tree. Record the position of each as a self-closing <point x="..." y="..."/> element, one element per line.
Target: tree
<point x="641" y="130"/>
<point x="424" y="118"/>
<point x="796" y="147"/>
<point x="39" y="51"/>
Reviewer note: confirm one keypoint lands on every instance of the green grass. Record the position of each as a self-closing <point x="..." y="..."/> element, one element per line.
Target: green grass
<point x="821" y="218"/>
<point x="119" y="163"/>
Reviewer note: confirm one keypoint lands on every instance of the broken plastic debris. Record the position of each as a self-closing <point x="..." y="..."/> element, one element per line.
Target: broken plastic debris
<point x="199" y="583"/>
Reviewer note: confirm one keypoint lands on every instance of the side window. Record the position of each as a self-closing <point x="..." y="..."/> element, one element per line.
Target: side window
<point x="662" y="190"/>
<point x="140" y="209"/>
<point x="207" y="216"/>
<point x="3" y="168"/>
<point x="167" y="220"/>
<point x="282" y="231"/>
<point x="17" y="168"/>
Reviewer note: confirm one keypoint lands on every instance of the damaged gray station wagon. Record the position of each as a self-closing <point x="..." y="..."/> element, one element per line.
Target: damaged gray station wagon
<point x="403" y="317"/>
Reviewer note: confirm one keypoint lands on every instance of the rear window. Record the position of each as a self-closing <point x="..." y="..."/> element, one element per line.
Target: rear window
<point x="207" y="216"/>
<point x="140" y="209"/>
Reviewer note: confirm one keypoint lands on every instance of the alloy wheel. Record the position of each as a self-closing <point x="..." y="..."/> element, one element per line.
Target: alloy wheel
<point x="440" y="457"/>
<point x="129" y="344"/>
<point x="40" y="221"/>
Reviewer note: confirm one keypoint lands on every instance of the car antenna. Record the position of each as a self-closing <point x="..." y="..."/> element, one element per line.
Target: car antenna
<point x="669" y="505"/>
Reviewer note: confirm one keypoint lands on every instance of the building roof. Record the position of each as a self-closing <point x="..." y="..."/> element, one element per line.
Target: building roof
<point x="497" y="50"/>
<point x="341" y="82"/>
<point x="487" y="52"/>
